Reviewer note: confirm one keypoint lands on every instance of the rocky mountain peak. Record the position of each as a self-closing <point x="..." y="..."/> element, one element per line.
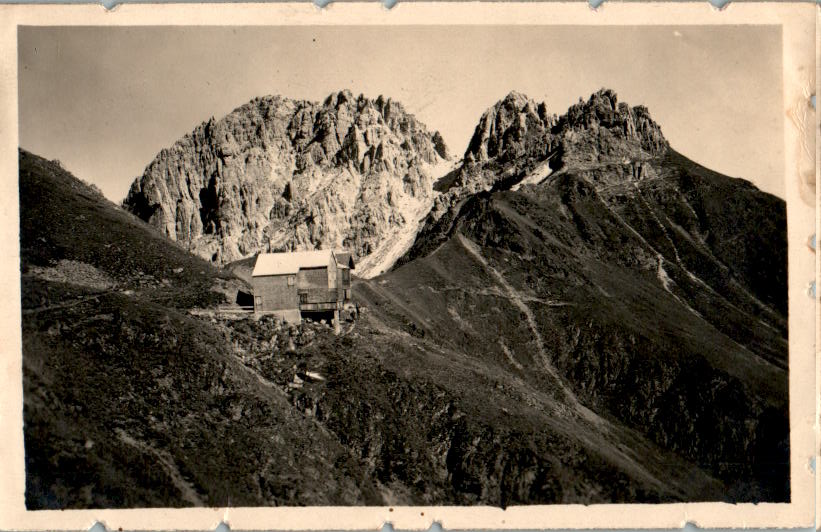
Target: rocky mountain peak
<point x="510" y="128"/>
<point x="518" y="142"/>
<point x="278" y="173"/>
<point x="336" y="99"/>
<point x="596" y="129"/>
<point x="602" y="128"/>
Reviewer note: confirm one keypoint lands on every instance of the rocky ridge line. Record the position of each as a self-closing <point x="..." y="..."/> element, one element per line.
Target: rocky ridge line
<point x="518" y="141"/>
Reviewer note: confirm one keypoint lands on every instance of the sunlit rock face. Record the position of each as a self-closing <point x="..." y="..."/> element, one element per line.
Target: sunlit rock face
<point x="282" y="174"/>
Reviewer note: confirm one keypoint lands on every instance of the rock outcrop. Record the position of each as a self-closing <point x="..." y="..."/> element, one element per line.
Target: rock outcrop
<point x="514" y="127"/>
<point x="519" y="141"/>
<point x="601" y="128"/>
<point x="280" y="174"/>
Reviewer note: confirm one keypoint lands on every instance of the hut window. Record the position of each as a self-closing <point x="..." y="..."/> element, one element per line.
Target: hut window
<point x="258" y="301"/>
<point x="291" y="280"/>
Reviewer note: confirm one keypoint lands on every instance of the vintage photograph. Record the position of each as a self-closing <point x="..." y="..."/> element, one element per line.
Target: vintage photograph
<point x="317" y="265"/>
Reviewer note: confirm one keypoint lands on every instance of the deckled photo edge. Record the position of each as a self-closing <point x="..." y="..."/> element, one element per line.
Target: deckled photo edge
<point x="798" y="65"/>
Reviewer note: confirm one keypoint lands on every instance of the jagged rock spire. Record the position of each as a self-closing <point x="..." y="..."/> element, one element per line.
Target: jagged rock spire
<point x="602" y="114"/>
<point x="517" y="126"/>
<point x="512" y="127"/>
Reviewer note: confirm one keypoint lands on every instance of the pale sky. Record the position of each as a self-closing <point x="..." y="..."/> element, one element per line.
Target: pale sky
<point x="105" y="100"/>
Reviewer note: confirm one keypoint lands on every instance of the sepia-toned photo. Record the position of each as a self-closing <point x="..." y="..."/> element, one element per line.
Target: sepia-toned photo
<point x="405" y="266"/>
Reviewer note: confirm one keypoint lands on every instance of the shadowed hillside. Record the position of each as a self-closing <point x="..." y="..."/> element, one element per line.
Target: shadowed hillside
<point x="130" y="401"/>
<point x="655" y="288"/>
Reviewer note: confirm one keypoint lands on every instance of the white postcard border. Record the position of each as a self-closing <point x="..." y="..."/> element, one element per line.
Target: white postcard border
<point x="797" y="21"/>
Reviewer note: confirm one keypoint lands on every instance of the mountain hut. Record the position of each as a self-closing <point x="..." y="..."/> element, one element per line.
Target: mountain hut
<point x="298" y="284"/>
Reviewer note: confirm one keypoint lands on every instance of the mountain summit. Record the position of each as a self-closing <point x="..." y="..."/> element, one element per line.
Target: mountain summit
<point x="352" y="172"/>
<point x="600" y="128"/>
<point x="517" y="137"/>
<point x="280" y="174"/>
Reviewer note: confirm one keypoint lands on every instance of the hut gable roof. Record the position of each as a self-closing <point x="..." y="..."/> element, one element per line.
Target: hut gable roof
<point x="290" y="262"/>
<point x="344" y="259"/>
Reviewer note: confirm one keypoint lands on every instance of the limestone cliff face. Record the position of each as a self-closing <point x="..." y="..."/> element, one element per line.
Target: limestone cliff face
<point x="602" y="129"/>
<point x="514" y="127"/>
<point x="281" y="174"/>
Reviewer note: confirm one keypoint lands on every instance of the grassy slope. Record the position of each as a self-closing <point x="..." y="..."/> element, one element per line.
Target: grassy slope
<point x="131" y="402"/>
<point x="435" y="395"/>
<point x="139" y="372"/>
<point x="62" y="218"/>
<point x="436" y="425"/>
<point x="700" y="369"/>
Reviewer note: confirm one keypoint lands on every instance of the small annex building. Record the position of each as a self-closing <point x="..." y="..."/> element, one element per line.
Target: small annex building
<point x="298" y="284"/>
